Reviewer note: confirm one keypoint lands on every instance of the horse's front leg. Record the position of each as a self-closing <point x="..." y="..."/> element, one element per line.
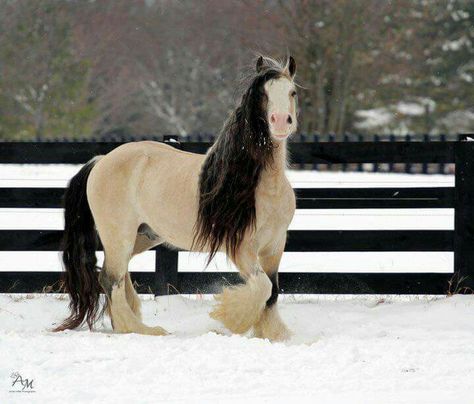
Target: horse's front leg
<point x="240" y="307"/>
<point x="271" y="325"/>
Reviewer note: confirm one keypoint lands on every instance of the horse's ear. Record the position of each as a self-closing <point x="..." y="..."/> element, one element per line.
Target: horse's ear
<point x="291" y="66"/>
<point x="259" y="65"/>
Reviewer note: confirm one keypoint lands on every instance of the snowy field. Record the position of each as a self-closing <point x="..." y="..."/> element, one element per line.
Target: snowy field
<point x="344" y="350"/>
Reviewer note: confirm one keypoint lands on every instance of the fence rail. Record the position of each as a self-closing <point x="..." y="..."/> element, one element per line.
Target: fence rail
<point x="307" y="198"/>
<point x="335" y="165"/>
<point x="301" y="153"/>
<point x="167" y="279"/>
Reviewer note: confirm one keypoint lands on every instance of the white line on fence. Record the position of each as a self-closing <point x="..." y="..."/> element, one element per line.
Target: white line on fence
<point x="57" y="176"/>
<point x="367" y="261"/>
<point x="305" y="219"/>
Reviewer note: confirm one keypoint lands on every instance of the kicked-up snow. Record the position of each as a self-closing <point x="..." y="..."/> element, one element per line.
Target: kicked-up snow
<point x="343" y="350"/>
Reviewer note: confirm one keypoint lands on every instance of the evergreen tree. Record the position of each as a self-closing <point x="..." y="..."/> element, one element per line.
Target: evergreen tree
<point x="43" y="83"/>
<point x="450" y="61"/>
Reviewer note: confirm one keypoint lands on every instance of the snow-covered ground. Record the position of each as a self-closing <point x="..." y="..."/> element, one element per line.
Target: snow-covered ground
<point x="344" y="350"/>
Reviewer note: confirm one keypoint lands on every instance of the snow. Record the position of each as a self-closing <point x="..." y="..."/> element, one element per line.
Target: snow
<point x="462" y="120"/>
<point x="466" y="77"/>
<point x="373" y="118"/>
<point x="384" y="118"/>
<point x="456" y="44"/>
<point x="344" y="349"/>
<point x="410" y="108"/>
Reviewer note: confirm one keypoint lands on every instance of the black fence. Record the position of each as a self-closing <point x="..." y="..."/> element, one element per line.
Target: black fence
<point x="409" y="167"/>
<point x="166" y="278"/>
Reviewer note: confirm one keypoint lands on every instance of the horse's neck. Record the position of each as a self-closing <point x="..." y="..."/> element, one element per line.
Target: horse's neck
<point x="273" y="176"/>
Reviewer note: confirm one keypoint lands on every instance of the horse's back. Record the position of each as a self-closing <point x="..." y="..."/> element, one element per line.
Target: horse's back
<point x="148" y="148"/>
<point x="128" y="162"/>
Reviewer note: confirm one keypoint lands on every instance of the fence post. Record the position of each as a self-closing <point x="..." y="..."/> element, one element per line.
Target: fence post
<point x="346" y="139"/>
<point x="441" y="166"/>
<point x="331" y="138"/>
<point x="315" y="140"/>
<point x="408" y="165"/>
<point x="302" y="140"/>
<point x="166" y="271"/>
<point x="391" y="138"/>
<point x="360" y="166"/>
<point x="375" y="166"/>
<point x="424" y="166"/>
<point x="464" y="212"/>
<point x="166" y="260"/>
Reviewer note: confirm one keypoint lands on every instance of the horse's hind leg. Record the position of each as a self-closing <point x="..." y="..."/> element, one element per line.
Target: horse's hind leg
<point x="145" y="239"/>
<point x="130" y="294"/>
<point x="114" y="280"/>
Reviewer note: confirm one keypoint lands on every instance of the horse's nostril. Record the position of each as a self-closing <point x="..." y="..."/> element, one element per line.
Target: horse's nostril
<point x="272" y="118"/>
<point x="289" y="120"/>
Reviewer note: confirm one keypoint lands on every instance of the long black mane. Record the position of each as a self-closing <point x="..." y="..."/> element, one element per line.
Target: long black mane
<point x="232" y="169"/>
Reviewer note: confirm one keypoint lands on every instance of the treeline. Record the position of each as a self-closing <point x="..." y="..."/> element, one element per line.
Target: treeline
<point x="151" y="67"/>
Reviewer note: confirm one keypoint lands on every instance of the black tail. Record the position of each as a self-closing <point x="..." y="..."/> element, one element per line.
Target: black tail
<point x="79" y="245"/>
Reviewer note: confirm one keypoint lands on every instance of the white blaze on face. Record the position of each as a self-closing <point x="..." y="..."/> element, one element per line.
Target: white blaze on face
<point x="281" y="107"/>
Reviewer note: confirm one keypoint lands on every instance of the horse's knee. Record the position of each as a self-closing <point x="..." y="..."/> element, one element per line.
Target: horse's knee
<point x="265" y="285"/>
<point x="274" y="296"/>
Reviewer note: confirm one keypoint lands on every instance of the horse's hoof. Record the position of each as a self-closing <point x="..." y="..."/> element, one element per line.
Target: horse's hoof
<point x="271" y="327"/>
<point x="159" y="331"/>
<point x="274" y="335"/>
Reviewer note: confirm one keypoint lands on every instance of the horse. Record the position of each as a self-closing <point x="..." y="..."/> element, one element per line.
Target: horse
<point x="234" y="199"/>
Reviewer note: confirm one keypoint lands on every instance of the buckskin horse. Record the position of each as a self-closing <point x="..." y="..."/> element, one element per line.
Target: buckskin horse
<point x="234" y="199"/>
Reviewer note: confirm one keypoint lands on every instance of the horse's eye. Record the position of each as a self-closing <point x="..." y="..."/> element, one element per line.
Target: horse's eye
<point x="293" y="93"/>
